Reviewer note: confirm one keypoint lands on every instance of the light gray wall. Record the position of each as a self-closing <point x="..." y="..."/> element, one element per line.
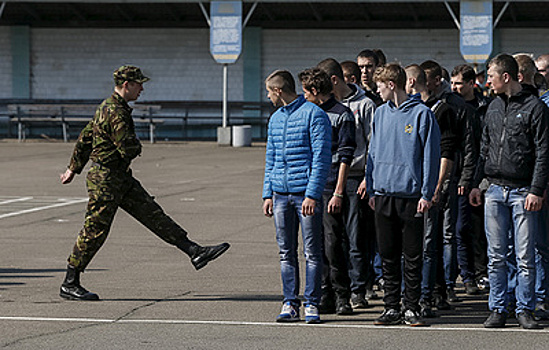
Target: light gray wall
<point x="5" y="63"/>
<point x="78" y="63"/>
<point x="70" y="63"/>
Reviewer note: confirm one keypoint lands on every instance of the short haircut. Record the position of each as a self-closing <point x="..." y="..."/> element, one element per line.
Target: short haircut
<point x="416" y="72"/>
<point x="540" y="82"/>
<point x="527" y="66"/>
<point x="467" y="72"/>
<point x="281" y="79"/>
<point x="316" y="78"/>
<point x="391" y="72"/>
<point x="369" y="54"/>
<point x="504" y="63"/>
<point x="380" y="56"/>
<point x="351" y="68"/>
<point x="432" y="69"/>
<point x="331" y="67"/>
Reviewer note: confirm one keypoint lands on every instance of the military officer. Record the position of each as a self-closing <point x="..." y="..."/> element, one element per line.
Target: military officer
<point x="110" y="142"/>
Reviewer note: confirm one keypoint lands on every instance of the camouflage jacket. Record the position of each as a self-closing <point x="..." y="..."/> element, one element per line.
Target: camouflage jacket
<point x="109" y="138"/>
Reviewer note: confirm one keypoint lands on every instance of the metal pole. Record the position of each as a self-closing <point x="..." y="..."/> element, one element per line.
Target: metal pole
<point x="225" y="93"/>
<point x="501" y="14"/>
<point x="2" y="8"/>
<point x="456" y="21"/>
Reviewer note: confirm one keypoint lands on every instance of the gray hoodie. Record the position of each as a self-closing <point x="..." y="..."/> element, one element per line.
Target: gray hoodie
<point x="363" y="109"/>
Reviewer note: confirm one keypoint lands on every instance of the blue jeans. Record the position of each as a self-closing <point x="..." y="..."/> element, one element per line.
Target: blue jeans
<point x="287" y="218"/>
<point x="542" y="256"/>
<point x="504" y="212"/>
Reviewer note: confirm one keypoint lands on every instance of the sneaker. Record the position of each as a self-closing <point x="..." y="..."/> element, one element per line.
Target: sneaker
<point x="343" y="307"/>
<point x="496" y="319"/>
<point x="526" y="319"/>
<point x="311" y="314"/>
<point x="452" y="297"/>
<point x="358" y="301"/>
<point x="413" y="319"/>
<point x="471" y="288"/>
<point x="327" y="304"/>
<point x="484" y="284"/>
<point x="442" y="304"/>
<point x="427" y="309"/>
<point x="389" y="317"/>
<point x="371" y="295"/>
<point x="541" y="312"/>
<point x="289" y="313"/>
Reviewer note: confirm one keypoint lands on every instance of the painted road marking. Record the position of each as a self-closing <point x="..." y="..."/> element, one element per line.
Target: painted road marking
<point x="35" y="204"/>
<point x="265" y="324"/>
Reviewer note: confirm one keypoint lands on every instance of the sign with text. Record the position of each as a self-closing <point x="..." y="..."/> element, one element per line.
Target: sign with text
<point x="476" y="20"/>
<point x="225" y="30"/>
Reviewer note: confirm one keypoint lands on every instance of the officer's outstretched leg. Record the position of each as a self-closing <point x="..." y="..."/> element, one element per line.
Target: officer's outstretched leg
<point x="142" y="206"/>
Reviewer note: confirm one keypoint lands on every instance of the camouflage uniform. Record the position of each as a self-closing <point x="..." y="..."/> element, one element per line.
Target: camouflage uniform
<point x="109" y="141"/>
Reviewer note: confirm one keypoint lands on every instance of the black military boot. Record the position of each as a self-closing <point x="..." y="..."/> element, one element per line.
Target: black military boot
<point x="203" y="255"/>
<point x="71" y="288"/>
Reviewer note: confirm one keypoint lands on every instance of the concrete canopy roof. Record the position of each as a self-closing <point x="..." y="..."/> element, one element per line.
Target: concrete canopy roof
<point x="266" y="14"/>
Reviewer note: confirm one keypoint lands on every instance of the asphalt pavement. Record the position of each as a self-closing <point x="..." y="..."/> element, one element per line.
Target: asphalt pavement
<point x="152" y="298"/>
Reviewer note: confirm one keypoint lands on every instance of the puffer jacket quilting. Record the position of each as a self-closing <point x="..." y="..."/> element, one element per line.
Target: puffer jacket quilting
<point x="298" y="155"/>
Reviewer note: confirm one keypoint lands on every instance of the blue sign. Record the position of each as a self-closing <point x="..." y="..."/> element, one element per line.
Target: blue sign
<point x="476" y="30"/>
<point x="226" y="30"/>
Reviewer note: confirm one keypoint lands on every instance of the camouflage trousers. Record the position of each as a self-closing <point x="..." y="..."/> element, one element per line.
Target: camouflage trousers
<point x="108" y="190"/>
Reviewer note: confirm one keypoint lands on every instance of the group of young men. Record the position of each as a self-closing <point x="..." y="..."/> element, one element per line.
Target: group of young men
<point x="386" y="169"/>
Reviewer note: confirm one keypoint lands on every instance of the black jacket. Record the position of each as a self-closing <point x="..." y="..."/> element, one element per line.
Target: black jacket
<point x="515" y="143"/>
<point x="467" y="156"/>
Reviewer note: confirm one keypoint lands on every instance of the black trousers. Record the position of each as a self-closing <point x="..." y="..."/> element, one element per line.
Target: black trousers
<point x="336" y="264"/>
<point x="400" y="233"/>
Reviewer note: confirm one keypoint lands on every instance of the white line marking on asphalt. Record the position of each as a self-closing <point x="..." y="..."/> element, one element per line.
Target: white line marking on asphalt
<point x="266" y="324"/>
<point x="21" y="199"/>
<point x="32" y="210"/>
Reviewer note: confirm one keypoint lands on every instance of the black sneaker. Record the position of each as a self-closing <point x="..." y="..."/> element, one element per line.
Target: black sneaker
<point x="442" y="304"/>
<point x="389" y="317"/>
<point x="204" y="255"/>
<point x="542" y="311"/>
<point x="413" y="319"/>
<point x="427" y="309"/>
<point x="484" y="284"/>
<point x="471" y="288"/>
<point x="371" y="294"/>
<point x="327" y="304"/>
<point x="343" y="307"/>
<point x="452" y="297"/>
<point x="358" y="301"/>
<point x="526" y="319"/>
<point x="496" y="319"/>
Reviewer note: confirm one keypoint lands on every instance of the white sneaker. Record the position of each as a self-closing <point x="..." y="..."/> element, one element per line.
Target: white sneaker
<point x="311" y="314"/>
<point x="289" y="313"/>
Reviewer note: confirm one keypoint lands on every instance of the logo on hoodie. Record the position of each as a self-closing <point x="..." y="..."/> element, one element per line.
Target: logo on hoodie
<point x="408" y="129"/>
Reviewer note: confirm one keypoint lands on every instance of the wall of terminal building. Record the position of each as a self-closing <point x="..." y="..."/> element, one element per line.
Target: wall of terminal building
<point x="77" y="63"/>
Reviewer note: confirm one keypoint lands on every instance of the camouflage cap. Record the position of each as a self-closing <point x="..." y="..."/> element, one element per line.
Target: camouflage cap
<point x="129" y="73"/>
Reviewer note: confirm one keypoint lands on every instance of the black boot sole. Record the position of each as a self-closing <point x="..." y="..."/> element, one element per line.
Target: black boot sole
<point x="91" y="297"/>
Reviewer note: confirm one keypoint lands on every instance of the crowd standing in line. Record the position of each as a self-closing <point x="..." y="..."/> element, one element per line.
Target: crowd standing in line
<point x="454" y="169"/>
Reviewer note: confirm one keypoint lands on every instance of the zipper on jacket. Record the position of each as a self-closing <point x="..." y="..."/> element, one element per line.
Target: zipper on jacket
<point x="505" y="115"/>
<point x="284" y="153"/>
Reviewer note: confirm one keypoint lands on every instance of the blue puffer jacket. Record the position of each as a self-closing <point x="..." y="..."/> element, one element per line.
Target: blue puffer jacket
<point x="298" y="154"/>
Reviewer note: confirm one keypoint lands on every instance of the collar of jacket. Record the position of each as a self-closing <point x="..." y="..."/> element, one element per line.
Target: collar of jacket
<point x="294" y="105"/>
<point x="121" y="100"/>
<point x="326" y="106"/>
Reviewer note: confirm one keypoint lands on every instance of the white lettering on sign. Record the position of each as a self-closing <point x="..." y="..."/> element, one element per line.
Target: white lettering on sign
<point x="475" y="30"/>
<point x="475" y="22"/>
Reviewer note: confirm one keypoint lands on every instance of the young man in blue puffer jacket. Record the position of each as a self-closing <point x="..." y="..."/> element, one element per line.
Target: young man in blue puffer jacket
<point x="297" y="164"/>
